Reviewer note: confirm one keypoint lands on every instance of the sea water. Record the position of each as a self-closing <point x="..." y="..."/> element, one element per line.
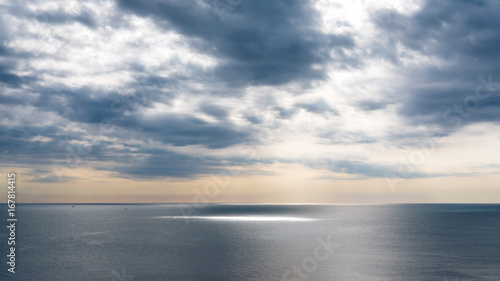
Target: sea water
<point x="254" y="242"/>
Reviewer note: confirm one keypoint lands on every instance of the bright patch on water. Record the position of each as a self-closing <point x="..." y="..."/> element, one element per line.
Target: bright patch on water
<point x="240" y="218"/>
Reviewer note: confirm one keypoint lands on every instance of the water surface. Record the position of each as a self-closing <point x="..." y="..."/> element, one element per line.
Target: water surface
<point x="255" y="242"/>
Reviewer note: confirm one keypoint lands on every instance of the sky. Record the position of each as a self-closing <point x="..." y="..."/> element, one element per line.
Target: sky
<point x="250" y="101"/>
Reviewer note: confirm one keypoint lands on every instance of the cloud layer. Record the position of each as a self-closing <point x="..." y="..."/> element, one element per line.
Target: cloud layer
<point x="179" y="89"/>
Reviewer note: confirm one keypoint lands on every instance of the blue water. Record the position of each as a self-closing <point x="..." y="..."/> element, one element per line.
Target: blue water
<point x="254" y="242"/>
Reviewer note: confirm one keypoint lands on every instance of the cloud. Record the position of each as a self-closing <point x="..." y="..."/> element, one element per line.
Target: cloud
<point x="214" y="111"/>
<point x="182" y="130"/>
<point x="454" y="43"/>
<point x="58" y="14"/>
<point x="319" y="107"/>
<point x="185" y="84"/>
<point x="359" y="168"/>
<point x="261" y="43"/>
<point x="369" y="105"/>
<point x="285" y="113"/>
<point x="164" y="163"/>
<point x="253" y="119"/>
<point x="364" y="169"/>
<point x="11" y="80"/>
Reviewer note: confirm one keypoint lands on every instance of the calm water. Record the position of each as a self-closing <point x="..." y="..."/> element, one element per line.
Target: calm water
<point x="255" y="242"/>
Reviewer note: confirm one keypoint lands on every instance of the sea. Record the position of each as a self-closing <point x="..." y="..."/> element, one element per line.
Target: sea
<point x="252" y="242"/>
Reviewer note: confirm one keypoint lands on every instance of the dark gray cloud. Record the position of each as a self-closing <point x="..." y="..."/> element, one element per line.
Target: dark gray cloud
<point x="449" y="29"/>
<point x="58" y="152"/>
<point x="214" y="110"/>
<point x="52" y="15"/>
<point x="3" y="50"/>
<point x="369" y="105"/>
<point x="160" y="163"/>
<point x="253" y="119"/>
<point x="11" y="80"/>
<point x="261" y="42"/>
<point x="84" y="105"/>
<point x="357" y="168"/>
<point x="364" y="170"/>
<point x="462" y="38"/>
<point x="285" y="112"/>
<point x="8" y="64"/>
<point x="167" y="164"/>
<point x="182" y="130"/>
<point x="10" y="99"/>
<point x="18" y="144"/>
<point x="87" y="108"/>
<point x="83" y="16"/>
<point x="79" y="105"/>
<point x="88" y="105"/>
<point x="319" y="106"/>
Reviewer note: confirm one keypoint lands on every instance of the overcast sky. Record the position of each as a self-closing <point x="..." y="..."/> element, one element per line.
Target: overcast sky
<point x="251" y="100"/>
